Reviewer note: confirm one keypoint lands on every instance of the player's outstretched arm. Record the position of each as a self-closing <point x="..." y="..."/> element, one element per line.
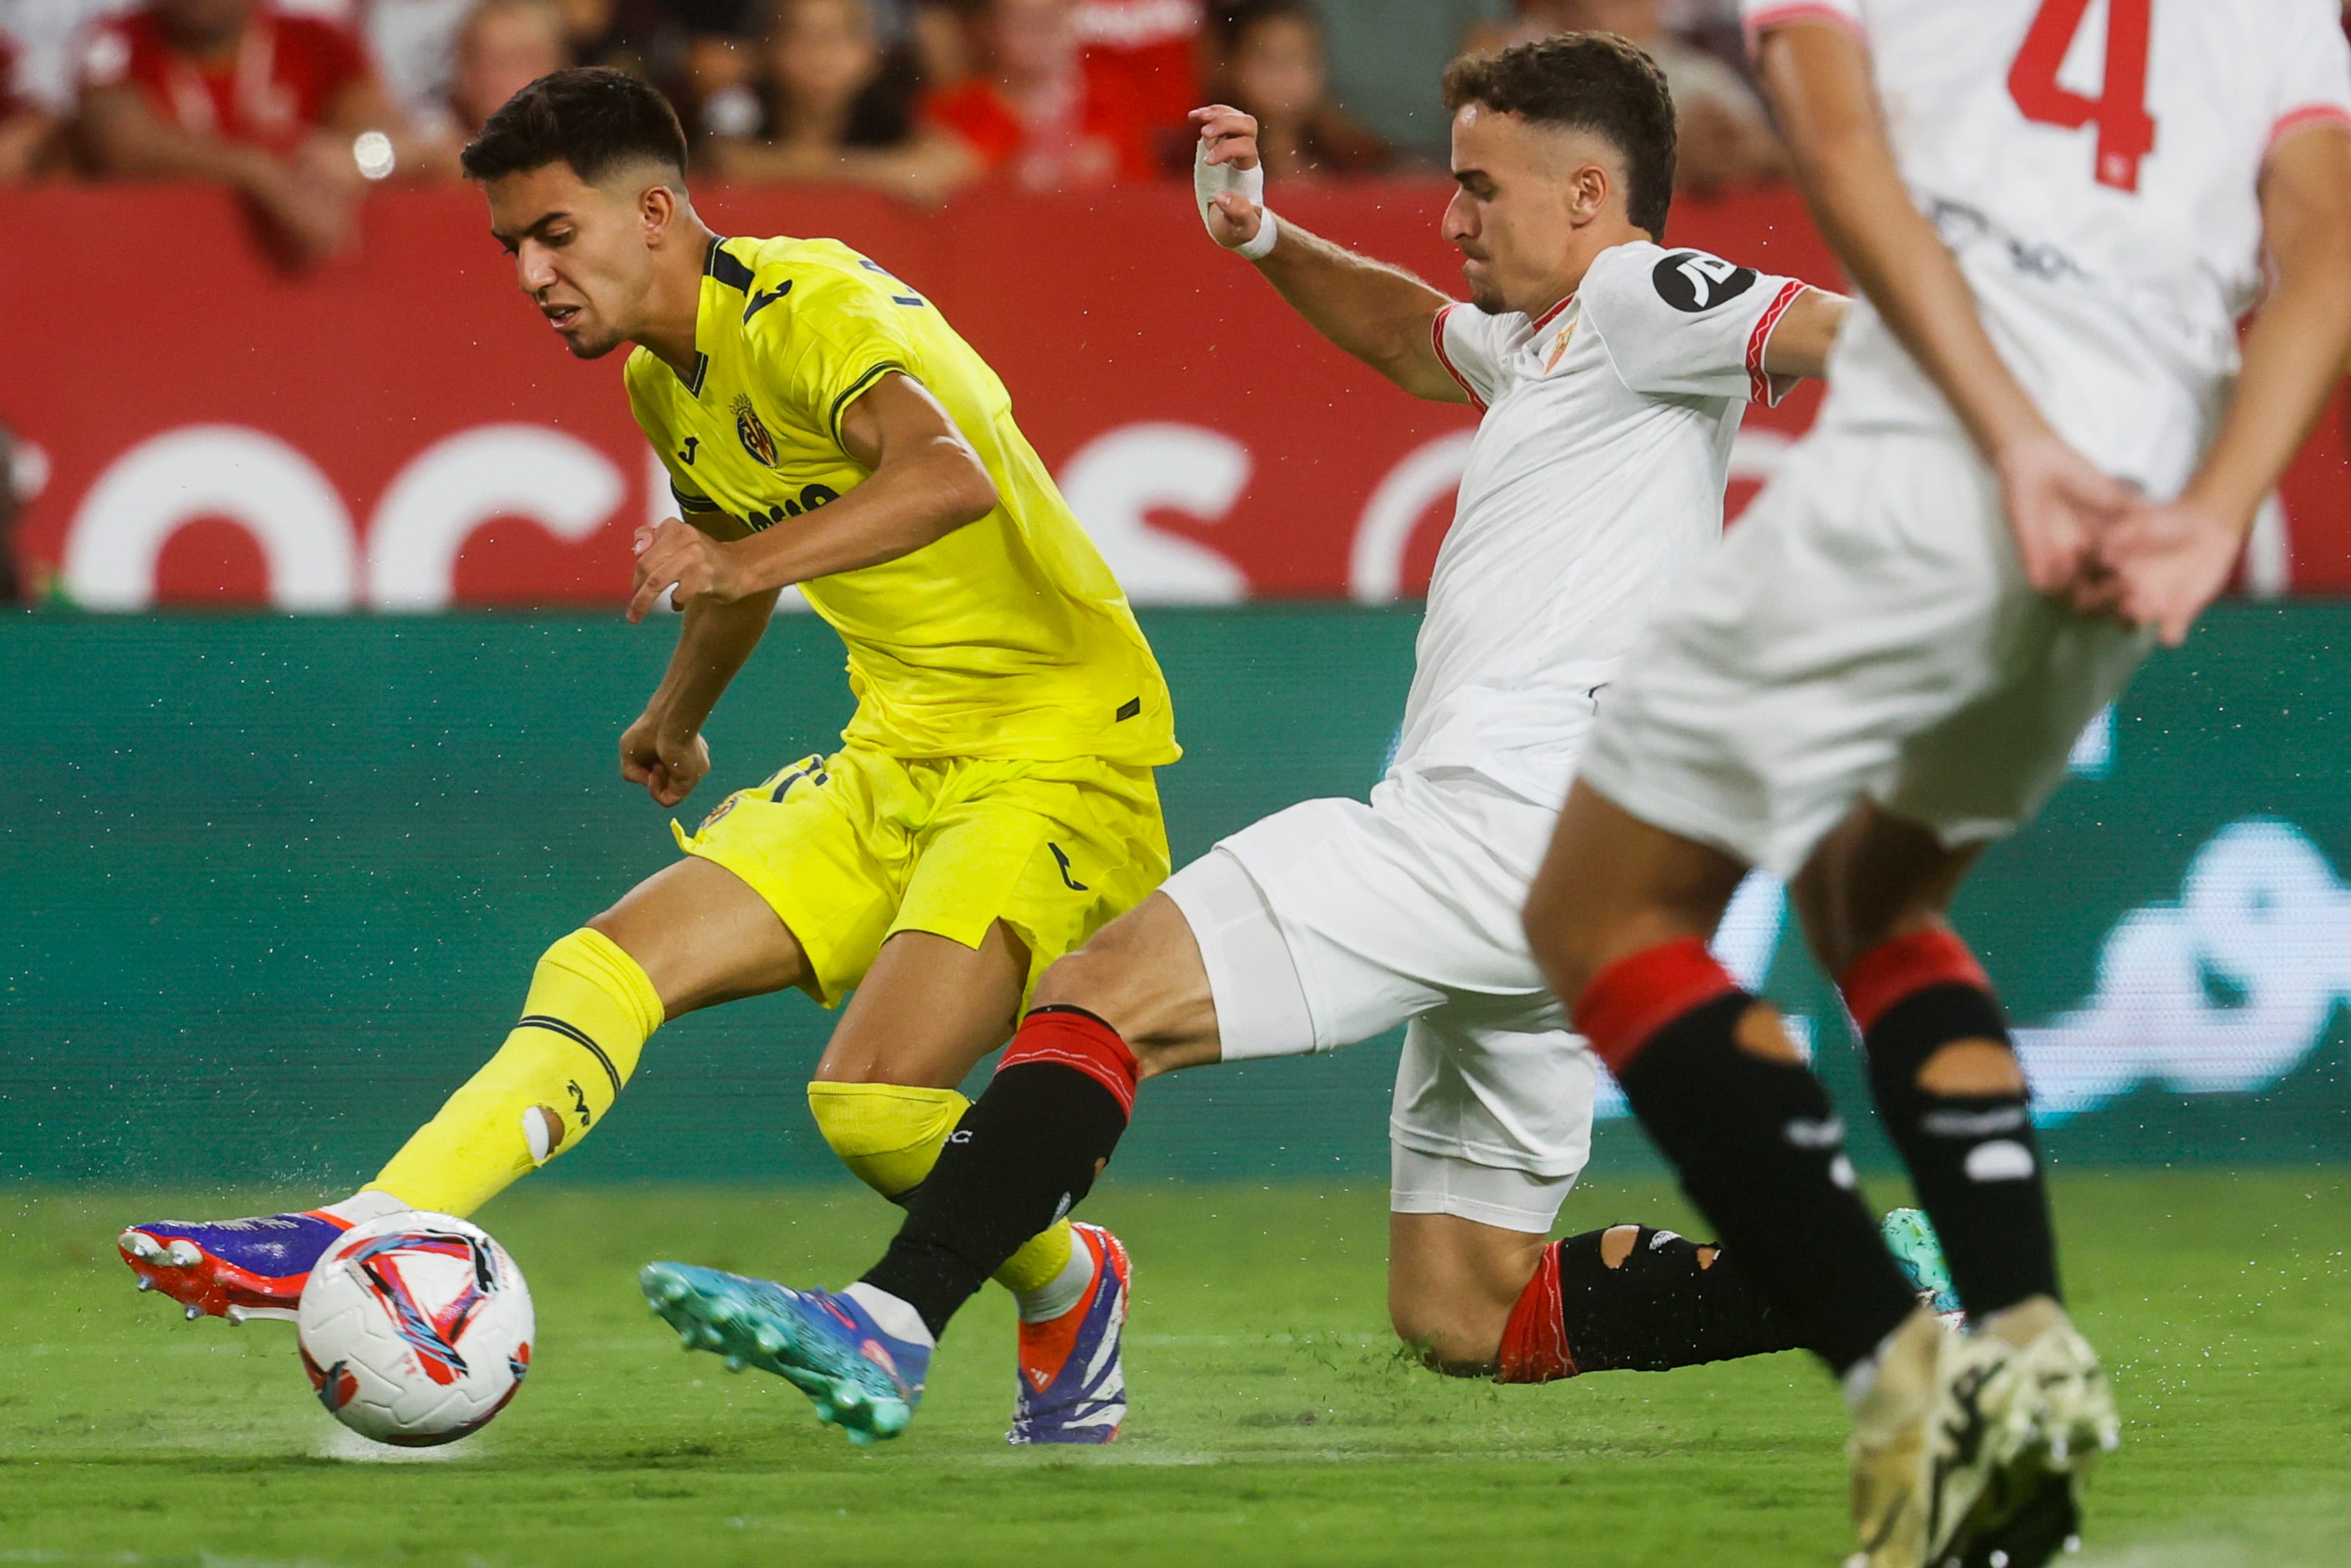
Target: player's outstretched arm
<point x="1817" y="76"/>
<point x="926" y="482"/>
<point x="1800" y="343"/>
<point x="663" y="749"/>
<point x="2174" y="559"/>
<point x="1380" y="314"/>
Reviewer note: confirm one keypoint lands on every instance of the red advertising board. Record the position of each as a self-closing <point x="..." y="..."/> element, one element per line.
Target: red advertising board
<point x="401" y="431"/>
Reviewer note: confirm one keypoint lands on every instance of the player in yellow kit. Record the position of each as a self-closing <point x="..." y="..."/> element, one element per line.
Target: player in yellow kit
<point x="992" y="803"/>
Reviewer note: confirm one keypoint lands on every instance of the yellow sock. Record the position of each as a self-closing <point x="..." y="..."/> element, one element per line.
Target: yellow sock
<point x="890" y="1136"/>
<point x="590" y="1011"/>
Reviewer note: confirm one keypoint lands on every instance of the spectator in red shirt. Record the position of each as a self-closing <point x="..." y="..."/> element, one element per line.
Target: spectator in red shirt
<point x="25" y="131"/>
<point x="285" y="108"/>
<point x="1034" y="113"/>
<point x="1154" y="45"/>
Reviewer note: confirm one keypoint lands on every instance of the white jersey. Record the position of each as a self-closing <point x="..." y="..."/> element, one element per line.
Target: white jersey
<point x="2094" y="168"/>
<point x="1598" y="469"/>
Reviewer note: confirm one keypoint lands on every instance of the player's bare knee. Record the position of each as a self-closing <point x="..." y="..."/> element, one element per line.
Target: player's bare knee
<point x="1970" y="1068"/>
<point x="1438" y="1340"/>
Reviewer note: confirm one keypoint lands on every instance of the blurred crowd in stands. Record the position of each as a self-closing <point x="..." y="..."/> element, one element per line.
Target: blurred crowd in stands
<point x="298" y="103"/>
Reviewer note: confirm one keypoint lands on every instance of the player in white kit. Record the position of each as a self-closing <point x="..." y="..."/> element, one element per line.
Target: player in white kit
<point x="2040" y="451"/>
<point x="1612" y="374"/>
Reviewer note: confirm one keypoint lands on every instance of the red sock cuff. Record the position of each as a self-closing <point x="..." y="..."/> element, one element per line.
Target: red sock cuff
<point x="1902" y="968"/>
<point x="1534" y="1342"/>
<point x="1637" y="996"/>
<point x="1076" y="1039"/>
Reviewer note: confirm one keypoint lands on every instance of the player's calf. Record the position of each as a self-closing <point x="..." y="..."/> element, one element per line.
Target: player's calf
<point x="1948" y="1082"/>
<point x="1634" y="1299"/>
<point x="1023" y="1156"/>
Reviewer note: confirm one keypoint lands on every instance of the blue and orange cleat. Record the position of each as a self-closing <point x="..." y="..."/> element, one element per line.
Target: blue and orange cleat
<point x="232" y="1268"/>
<point x="862" y="1378"/>
<point x="1072" y="1374"/>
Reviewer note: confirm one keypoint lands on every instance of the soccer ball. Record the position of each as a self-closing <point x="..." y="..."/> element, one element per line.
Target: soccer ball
<point x="415" y="1329"/>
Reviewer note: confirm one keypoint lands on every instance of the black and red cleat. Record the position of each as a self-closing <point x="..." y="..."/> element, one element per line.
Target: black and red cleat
<point x="232" y="1268"/>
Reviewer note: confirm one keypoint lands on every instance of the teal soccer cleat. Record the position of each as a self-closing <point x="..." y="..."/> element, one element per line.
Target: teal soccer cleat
<point x="860" y="1378"/>
<point x="1910" y="1237"/>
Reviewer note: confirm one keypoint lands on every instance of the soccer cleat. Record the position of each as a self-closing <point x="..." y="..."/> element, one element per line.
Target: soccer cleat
<point x="2027" y="1514"/>
<point x="2025" y="1537"/>
<point x="1950" y="1420"/>
<point x="232" y="1268"/>
<point x="862" y="1379"/>
<point x="1072" y="1374"/>
<point x="1910" y="1237"/>
<point x="2078" y="1424"/>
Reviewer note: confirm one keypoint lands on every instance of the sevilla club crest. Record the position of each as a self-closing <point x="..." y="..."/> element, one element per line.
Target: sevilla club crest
<point x="754" y="435"/>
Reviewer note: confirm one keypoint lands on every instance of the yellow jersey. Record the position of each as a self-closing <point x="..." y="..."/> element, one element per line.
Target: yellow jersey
<point x="1009" y="637"/>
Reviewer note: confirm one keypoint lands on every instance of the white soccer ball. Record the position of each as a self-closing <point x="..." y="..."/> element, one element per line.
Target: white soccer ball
<point x="415" y="1329"/>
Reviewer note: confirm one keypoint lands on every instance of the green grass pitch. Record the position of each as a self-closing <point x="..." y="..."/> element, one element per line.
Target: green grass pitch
<point x="1272" y="1423"/>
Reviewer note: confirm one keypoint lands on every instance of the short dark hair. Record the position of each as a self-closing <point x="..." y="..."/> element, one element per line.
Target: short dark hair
<point x="1589" y="81"/>
<point x="593" y="118"/>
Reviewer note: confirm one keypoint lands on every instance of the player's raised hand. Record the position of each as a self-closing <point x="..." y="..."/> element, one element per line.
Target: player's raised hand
<point x="1227" y="177"/>
<point x="2060" y="506"/>
<point x="669" y="764"/>
<point x="681" y="561"/>
<point x="2170" y="560"/>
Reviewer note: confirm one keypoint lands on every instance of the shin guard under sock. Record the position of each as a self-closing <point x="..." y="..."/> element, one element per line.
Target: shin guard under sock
<point x="1668" y="1301"/>
<point x="590" y="1011"/>
<point x="1671" y="1303"/>
<point x="1970" y="1149"/>
<point x="1025" y="1153"/>
<point x="1724" y="1093"/>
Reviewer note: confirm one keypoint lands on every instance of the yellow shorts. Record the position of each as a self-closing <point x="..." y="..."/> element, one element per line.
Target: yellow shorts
<point x="853" y="848"/>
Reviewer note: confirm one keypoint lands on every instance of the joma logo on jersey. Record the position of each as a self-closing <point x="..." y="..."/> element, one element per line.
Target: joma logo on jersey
<point x="1692" y="280"/>
<point x="752" y="434"/>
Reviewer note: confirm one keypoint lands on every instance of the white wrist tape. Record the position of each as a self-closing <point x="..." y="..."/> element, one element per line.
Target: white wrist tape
<point x="1258" y="246"/>
<point x="1211" y="181"/>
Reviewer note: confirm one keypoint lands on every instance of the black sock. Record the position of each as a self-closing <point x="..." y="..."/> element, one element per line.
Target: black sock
<point x="1022" y="1156"/>
<point x="1761" y="1154"/>
<point x="1664" y="1306"/>
<point x="1973" y="1158"/>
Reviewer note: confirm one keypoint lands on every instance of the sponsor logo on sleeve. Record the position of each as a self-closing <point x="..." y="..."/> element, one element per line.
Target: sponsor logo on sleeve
<point x="1693" y="281"/>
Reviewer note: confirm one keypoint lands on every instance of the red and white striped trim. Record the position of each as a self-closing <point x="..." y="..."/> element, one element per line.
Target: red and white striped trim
<point x="2302" y="119"/>
<point x="1759" y="381"/>
<point x="1758" y="22"/>
<point x="1072" y="1037"/>
<point x="1437" y="341"/>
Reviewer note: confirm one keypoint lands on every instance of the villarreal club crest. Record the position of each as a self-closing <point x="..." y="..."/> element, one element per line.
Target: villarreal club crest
<point x="754" y="435"/>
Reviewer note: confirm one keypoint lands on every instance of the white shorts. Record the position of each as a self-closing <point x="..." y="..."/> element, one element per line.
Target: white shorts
<point x="1866" y="629"/>
<point x="1334" y="921"/>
